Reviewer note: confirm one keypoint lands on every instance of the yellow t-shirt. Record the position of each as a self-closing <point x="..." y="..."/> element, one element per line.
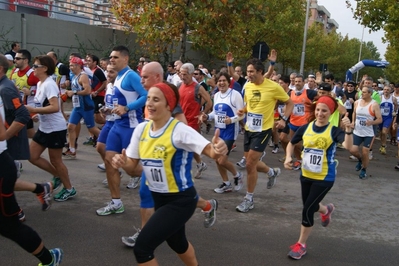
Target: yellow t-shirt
<point x="260" y="101"/>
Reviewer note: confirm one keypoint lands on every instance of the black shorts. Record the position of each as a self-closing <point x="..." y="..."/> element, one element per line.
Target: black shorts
<point x="257" y="141"/>
<point x="285" y="130"/>
<point x="98" y="100"/>
<point x="29" y="125"/>
<point x="229" y="144"/>
<point x="53" y="140"/>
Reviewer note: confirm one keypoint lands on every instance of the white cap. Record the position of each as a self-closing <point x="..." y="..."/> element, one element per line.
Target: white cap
<point x="9" y="57"/>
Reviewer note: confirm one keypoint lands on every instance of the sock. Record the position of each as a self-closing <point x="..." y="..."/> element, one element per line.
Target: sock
<point x="303" y="245"/>
<point x="44" y="256"/>
<point x="227" y="183"/>
<point x="237" y="175"/>
<point x="69" y="190"/>
<point x="208" y="207"/>
<point x="117" y="202"/>
<point x="71" y="149"/>
<point x="39" y="189"/>
<point x="249" y="196"/>
<point x="271" y="172"/>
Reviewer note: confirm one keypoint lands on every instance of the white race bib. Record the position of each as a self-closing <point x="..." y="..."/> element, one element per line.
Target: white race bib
<point x="75" y="101"/>
<point x="361" y="121"/>
<point x="312" y="160"/>
<point x="254" y="122"/>
<point x="155" y="175"/>
<point x="220" y="116"/>
<point x="299" y="109"/>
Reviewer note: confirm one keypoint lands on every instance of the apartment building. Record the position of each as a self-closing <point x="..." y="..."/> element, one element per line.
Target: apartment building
<point x="319" y="14"/>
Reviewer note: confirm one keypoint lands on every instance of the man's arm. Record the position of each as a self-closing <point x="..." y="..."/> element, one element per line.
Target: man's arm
<point x="272" y="59"/>
<point x="85" y="83"/>
<point x="230" y="68"/>
<point x="207" y="98"/>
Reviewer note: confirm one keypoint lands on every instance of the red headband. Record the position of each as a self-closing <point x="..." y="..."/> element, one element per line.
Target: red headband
<point x="168" y="93"/>
<point x="327" y="101"/>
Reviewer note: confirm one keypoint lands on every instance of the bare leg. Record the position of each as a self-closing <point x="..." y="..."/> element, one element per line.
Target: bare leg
<point x="189" y="257"/>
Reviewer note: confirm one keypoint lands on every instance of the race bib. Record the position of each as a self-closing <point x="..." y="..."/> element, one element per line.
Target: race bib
<point x="299" y="109"/>
<point x="385" y="111"/>
<point x="155" y="175"/>
<point x="361" y="121"/>
<point x="75" y="101"/>
<point x="280" y="109"/>
<point x="348" y="105"/>
<point x="312" y="160"/>
<point x="220" y="116"/>
<point x="254" y="122"/>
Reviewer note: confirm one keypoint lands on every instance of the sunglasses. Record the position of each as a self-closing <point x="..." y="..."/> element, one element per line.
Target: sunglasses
<point x="114" y="57"/>
<point x="37" y="66"/>
<point x="19" y="58"/>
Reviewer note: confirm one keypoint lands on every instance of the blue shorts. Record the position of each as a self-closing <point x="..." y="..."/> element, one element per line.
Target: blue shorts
<point x="146" y="201"/>
<point x="293" y="128"/>
<point x="118" y="138"/>
<point x="357" y="140"/>
<point x="104" y="132"/>
<point x="77" y="114"/>
<point x="386" y="122"/>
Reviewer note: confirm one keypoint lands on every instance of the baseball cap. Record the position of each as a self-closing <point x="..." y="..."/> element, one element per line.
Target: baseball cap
<point x="9" y="57"/>
<point x="351" y="82"/>
<point x="76" y="60"/>
<point x="325" y="87"/>
<point x="204" y="72"/>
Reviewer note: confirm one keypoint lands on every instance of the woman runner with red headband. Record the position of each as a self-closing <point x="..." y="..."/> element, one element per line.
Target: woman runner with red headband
<point x="165" y="148"/>
<point x="318" y="171"/>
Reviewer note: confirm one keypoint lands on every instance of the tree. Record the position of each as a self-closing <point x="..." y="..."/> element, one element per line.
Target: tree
<point x="215" y="26"/>
<point x="382" y="14"/>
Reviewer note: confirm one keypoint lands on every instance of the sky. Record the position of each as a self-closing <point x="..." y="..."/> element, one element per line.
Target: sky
<point x="349" y="26"/>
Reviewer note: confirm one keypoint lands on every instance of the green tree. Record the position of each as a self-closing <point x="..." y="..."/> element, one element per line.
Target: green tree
<point x="382" y="14"/>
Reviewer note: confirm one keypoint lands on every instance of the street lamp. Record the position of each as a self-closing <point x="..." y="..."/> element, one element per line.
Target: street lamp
<point x="305" y="33"/>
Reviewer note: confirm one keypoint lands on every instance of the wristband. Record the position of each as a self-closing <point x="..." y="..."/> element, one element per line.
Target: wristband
<point x="272" y="63"/>
<point x="349" y="133"/>
<point x="284" y="118"/>
<point x="234" y="119"/>
<point x="229" y="64"/>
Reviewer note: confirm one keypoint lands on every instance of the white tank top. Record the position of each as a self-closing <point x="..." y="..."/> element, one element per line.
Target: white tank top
<point x="364" y="114"/>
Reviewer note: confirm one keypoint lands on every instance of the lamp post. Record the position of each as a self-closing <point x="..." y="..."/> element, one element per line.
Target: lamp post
<point x="305" y="33"/>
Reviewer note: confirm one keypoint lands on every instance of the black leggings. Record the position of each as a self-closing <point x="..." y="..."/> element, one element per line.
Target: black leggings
<point x="10" y="226"/>
<point x="172" y="211"/>
<point x="313" y="192"/>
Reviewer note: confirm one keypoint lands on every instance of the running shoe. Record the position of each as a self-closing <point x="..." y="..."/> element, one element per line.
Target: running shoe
<point x="242" y="162"/>
<point x="134" y="182"/>
<point x="45" y="196"/>
<point x="273" y="179"/>
<point x="245" y="205"/>
<point x="223" y="188"/>
<point x="297" y="251"/>
<point x="56" y="182"/>
<point x="363" y="174"/>
<point x="326" y="218"/>
<point x="57" y="255"/>
<point x="353" y="157"/>
<point x="297" y="165"/>
<point x="68" y="155"/>
<point x="275" y="149"/>
<point x="371" y="155"/>
<point x="21" y="215"/>
<point x="358" y="166"/>
<point x="130" y="241"/>
<point x="105" y="181"/>
<point x="65" y="194"/>
<point x="383" y="150"/>
<point x="89" y="141"/>
<point x="397" y="166"/>
<point x="282" y="159"/>
<point x="101" y="166"/>
<point x="111" y="208"/>
<point x="238" y="182"/>
<point x="271" y="144"/>
<point x="210" y="216"/>
<point x="201" y="167"/>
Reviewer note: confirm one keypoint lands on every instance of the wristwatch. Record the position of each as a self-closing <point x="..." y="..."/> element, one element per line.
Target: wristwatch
<point x="284" y="118"/>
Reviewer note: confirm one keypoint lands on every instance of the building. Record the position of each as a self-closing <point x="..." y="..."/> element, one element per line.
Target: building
<point x="92" y="12"/>
<point x="319" y="14"/>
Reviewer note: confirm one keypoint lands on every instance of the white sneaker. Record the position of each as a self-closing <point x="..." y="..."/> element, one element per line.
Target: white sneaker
<point x="223" y="188"/>
<point x="352" y="157"/>
<point x="134" y="182"/>
<point x="201" y="167"/>
<point x="241" y="163"/>
<point x="238" y="183"/>
<point x="371" y="155"/>
<point x="101" y="166"/>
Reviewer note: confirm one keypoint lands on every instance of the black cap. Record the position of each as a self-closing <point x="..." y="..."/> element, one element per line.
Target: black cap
<point x="325" y="87"/>
<point x="351" y="82"/>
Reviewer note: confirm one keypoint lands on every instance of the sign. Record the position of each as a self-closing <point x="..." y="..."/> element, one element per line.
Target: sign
<point x="261" y="51"/>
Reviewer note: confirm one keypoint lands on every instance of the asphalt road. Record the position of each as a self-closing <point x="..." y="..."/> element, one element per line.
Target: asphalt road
<point x="364" y="228"/>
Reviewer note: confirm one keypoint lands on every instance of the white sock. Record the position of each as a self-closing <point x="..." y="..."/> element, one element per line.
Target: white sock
<point x="117" y="202"/>
<point x="71" y="149"/>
